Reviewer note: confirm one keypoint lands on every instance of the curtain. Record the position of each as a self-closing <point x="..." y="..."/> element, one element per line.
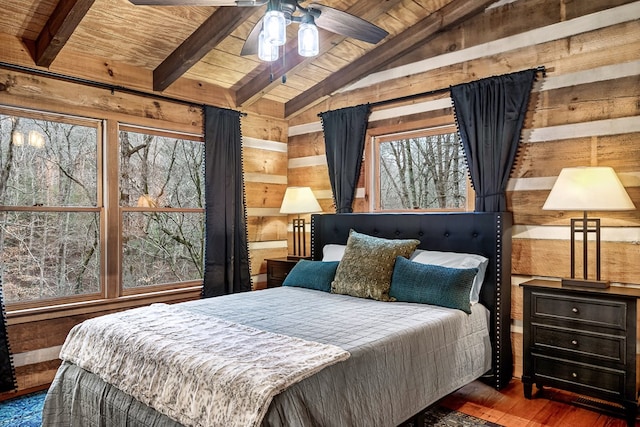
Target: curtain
<point x="489" y="115"/>
<point x="226" y="263"/>
<point x="344" y="134"/>
<point x="7" y="373"/>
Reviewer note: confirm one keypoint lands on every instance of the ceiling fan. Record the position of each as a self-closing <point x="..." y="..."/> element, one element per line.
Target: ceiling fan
<point x="270" y="31"/>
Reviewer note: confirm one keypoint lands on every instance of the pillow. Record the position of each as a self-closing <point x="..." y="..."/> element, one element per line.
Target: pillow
<point x="432" y="284"/>
<point x="333" y="252"/>
<point x="456" y="260"/>
<point x="366" y="267"/>
<point x="312" y="275"/>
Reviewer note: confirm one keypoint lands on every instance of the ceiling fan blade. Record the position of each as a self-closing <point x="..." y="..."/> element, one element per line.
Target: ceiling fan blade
<point x="247" y="3"/>
<point x="346" y="24"/>
<point x="250" y="46"/>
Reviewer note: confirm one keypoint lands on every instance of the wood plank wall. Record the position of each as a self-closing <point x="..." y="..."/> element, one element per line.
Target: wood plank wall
<point x="36" y="337"/>
<point x="584" y="112"/>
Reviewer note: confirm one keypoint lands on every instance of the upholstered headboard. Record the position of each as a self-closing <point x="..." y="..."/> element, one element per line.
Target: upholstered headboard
<point x="487" y="234"/>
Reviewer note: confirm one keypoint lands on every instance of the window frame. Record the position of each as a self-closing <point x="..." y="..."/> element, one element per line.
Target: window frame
<point x="124" y="209"/>
<point x="111" y="294"/>
<point x="380" y="136"/>
<point x="98" y="124"/>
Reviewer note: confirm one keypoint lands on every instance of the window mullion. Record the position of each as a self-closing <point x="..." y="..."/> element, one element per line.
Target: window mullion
<point x="112" y="210"/>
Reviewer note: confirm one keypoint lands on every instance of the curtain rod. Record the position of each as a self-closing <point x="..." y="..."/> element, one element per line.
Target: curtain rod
<point x="429" y="93"/>
<point x="99" y="85"/>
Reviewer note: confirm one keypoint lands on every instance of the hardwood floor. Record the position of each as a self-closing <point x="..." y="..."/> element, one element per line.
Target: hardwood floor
<point x="509" y="408"/>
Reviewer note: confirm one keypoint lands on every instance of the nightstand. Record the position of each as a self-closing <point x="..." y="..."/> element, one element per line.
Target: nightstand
<point x="277" y="270"/>
<point x="582" y="340"/>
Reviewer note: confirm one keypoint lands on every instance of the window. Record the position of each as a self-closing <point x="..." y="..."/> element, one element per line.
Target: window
<point x="422" y="170"/>
<point x="161" y="197"/>
<point x="83" y="218"/>
<point x="50" y="209"/>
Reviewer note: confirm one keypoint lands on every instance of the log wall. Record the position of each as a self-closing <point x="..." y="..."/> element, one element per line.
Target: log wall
<point x="584" y="112"/>
<point x="36" y="336"/>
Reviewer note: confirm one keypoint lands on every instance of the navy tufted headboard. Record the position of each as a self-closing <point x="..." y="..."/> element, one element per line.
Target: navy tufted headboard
<point x="487" y="234"/>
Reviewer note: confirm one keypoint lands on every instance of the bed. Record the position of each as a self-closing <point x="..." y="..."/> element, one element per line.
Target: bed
<point x="385" y="362"/>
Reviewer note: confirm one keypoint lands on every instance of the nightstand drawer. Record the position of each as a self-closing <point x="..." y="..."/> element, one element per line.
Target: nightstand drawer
<point x="605" y="347"/>
<point x="278" y="269"/>
<point x="592" y="311"/>
<point x="581" y="376"/>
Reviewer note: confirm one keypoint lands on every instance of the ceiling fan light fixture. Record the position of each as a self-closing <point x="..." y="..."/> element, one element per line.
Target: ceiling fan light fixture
<point x="308" y="38"/>
<point x="275" y="28"/>
<point x="266" y="51"/>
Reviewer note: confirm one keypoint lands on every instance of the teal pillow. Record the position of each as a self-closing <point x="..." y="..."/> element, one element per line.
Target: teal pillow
<point x="432" y="284"/>
<point x="316" y="275"/>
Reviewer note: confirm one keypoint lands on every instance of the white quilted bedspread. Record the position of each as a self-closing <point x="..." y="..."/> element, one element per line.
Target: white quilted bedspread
<point x="198" y="370"/>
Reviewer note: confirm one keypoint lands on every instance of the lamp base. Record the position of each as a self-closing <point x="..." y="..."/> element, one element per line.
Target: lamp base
<point x="581" y="283"/>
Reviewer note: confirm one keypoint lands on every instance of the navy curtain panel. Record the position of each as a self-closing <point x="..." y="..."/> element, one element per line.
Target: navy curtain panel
<point x="7" y="373"/>
<point x="344" y="133"/>
<point x="489" y="115"/>
<point x="226" y="253"/>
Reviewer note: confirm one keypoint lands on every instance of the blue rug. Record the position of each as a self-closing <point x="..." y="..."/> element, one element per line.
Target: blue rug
<point x="26" y="411"/>
<point x="23" y="411"/>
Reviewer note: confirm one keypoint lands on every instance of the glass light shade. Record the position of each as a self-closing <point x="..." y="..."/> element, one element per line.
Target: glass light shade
<point x="36" y="139"/>
<point x="588" y="189"/>
<point x="275" y="28"/>
<point x="308" y="40"/>
<point x="266" y="51"/>
<point x="299" y="200"/>
<point x="17" y="138"/>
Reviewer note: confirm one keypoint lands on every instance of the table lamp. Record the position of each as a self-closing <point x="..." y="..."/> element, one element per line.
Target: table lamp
<point x="299" y="200"/>
<point x="587" y="189"/>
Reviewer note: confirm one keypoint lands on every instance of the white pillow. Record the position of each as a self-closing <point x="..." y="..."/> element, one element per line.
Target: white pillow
<point x="333" y="252"/>
<point x="456" y="260"/>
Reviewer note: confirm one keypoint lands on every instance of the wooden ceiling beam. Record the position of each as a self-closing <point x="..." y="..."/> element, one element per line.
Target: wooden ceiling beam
<point x="56" y="32"/>
<point x="452" y="14"/>
<point x="206" y="37"/>
<point x="271" y="74"/>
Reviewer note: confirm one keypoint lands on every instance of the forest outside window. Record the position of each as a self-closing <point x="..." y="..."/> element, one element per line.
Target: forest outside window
<point x="162" y="209"/>
<point x="50" y="206"/>
<point x="419" y="170"/>
<point x="85" y="219"/>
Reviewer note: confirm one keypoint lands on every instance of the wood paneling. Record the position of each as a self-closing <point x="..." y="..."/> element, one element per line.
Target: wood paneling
<point x="527" y="209"/>
<point x="582" y="87"/>
<point x="543" y="257"/>
<point x="257" y="160"/>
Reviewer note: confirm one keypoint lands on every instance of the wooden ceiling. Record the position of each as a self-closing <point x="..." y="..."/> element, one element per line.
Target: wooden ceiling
<point x="203" y="43"/>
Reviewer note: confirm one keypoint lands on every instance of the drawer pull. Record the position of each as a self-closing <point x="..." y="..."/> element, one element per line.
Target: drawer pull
<point x="575" y="309"/>
<point x="574" y="375"/>
<point x="574" y="342"/>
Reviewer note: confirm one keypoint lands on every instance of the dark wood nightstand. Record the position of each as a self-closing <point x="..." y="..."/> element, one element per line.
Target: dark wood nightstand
<point x="582" y="340"/>
<point x="277" y="270"/>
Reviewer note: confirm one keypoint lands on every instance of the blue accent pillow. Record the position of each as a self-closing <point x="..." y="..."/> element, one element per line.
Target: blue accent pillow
<point x="432" y="284"/>
<point x="316" y="275"/>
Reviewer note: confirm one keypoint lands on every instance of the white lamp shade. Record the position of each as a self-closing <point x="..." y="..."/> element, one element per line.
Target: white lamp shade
<point x="299" y="200"/>
<point x="308" y="40"/>
<point x="588" y="189"/>
<point x="266" y="51"/>
<point x="275" y="28"/>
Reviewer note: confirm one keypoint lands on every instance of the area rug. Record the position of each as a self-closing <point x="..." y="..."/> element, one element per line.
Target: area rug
<point x="440" y="416"/>
<point x="26" y="411"/>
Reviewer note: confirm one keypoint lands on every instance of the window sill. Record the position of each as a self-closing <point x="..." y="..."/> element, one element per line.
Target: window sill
<point x="95" y="306"/>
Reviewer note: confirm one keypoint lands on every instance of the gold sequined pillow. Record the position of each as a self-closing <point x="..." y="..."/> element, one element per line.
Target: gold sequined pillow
<point x="366" y="267"/>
